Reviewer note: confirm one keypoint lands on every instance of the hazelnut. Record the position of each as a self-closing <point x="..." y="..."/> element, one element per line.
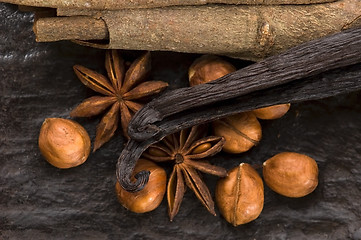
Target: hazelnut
<point x="63" y="142"/>
<point x="291" y="174"/>
<point x="208" y="68"/>
<point x="240" y="195"/>
<point x="151" y="195"/>
<point x="241" y="132"/>
<point x="272" y="112"/>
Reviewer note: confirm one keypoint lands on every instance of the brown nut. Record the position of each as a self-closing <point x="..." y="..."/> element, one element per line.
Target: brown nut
<point x="151" y="195"/>
<point x="240" y="195"/>
<point x="272" y="112"/>
<point x="208" y="68"/>
<point x="63" y="142"/>
<point x="241" y="132"/>
<point x="291" y="174"/>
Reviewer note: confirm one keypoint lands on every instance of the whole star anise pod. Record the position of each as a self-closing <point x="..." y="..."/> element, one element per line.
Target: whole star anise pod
<point x="123" y="92"/>
<point x="187" y="149"/>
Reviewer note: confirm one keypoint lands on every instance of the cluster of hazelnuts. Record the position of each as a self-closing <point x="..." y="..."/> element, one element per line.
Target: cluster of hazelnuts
<point x="239" y="196"/>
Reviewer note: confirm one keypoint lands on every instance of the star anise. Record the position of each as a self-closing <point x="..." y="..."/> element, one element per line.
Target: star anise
<point x="187" y="149"/>
<point x="123" y="92"/>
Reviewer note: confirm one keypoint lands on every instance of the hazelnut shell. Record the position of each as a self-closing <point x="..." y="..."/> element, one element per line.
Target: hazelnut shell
<point x="208" y="68"/>
<point x="151" y="195"/>
<point x="64" y="143"/>
<point x="240" y="195"/>
<point x="291" y="174"/>
<point x="241" y="132"/>
<point x="272" y="112"/>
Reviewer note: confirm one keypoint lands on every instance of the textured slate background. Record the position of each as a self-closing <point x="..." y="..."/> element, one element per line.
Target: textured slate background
<point x="38" y="201"/>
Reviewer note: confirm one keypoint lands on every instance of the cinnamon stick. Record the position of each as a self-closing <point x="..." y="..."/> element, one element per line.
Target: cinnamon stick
<point x="246" y="32"/>
<point x="65" y="28"/>
<point x="123" y="4"/>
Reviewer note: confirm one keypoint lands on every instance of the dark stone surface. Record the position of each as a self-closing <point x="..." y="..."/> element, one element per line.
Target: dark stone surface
<point x="38" y="201"/>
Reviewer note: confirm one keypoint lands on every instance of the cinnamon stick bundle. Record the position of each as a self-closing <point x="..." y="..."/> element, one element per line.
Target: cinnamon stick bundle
<point x="242" y="31"/>
<point x="123" y="4"/>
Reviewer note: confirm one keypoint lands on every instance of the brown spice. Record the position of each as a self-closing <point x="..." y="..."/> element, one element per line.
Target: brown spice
<point x="123" y="93"/>
<point x="187" y="149"/>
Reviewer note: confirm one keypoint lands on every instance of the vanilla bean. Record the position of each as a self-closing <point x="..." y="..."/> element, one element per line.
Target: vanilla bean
<point x="330" y="83"/>
<point x="309" y="59"/>
<point x="126" y="163"/>
<point x="318" y="69"/>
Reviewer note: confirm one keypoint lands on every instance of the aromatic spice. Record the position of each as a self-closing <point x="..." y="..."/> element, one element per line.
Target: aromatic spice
<point x="63" y="142"/>
<point x="291" y="174"/>
<point x="123" y="93"/>
<point x="240" y="196"/>
<point x="241" y="132"/>
<point x="289" y="77"/>
<point x="188" y="149"/>
<point x="149" y="197"/>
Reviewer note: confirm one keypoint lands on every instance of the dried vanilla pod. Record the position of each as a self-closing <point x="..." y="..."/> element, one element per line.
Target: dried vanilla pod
<point x="123" y="92"/>
<point x="151" y="195"/>
<point x="291" y="174"/>
<point x="209" y="68"/>
<point x="240" y="195"/>
<point x="64" y="143"/>
<point x="289" y="77"/>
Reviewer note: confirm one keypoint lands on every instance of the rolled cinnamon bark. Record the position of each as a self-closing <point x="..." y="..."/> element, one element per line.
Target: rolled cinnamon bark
<point x="123" y="4"/>
<point x="247" y="32"/>
<point x="67" y="28"/>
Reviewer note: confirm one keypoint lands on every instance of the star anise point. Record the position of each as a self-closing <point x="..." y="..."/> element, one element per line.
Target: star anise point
<point x="123" y="90"/>
<point x="187" y="149"/>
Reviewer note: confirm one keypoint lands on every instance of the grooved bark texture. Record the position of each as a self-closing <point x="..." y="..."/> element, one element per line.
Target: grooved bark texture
<point x="38" y="201"/>
<point x="247" y="32"/>
<point x="120" y="4"/>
